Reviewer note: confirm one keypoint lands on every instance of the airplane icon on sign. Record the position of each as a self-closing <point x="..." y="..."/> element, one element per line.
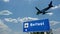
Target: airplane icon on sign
<point x="26" y="25"/>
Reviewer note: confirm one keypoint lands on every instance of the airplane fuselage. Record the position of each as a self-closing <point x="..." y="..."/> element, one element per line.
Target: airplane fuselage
<point x="44" y="10"/>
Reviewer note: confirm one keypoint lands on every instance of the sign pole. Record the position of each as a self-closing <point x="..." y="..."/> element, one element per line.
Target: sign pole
<point x="38" y="33"/>
<point x="45" y="33"/>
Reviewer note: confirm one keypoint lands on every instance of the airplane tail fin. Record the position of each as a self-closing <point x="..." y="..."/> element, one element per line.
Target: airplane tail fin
<point x="50" y="5"/>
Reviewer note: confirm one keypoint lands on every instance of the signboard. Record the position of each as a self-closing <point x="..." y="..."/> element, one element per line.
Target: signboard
<point x="36" y="26"/>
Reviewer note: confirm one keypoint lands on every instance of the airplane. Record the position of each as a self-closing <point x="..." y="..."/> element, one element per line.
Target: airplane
<point x="44" y="10"/>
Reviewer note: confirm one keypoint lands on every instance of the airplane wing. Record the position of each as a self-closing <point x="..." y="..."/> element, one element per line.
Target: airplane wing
<point x="38" y="11"/>
<point x="37" y="8"/>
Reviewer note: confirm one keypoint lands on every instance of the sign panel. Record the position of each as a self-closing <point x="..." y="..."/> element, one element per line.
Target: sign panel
<point x="36" y="26"/>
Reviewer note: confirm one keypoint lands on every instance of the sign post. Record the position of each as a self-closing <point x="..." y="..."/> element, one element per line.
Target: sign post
<point x="36" y="26"/>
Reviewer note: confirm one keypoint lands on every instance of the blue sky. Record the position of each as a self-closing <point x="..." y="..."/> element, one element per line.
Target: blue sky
<point x="14" y="12"/>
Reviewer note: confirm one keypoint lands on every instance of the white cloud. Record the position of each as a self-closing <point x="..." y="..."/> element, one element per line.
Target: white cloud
<point x="5" y="12"/>
<point x="49" y="13"/>
<point x="18" y="32"/>
<point x="6" y="0"/>
<point x="11" y="20"/>
<point x="54" y="28"/>
<point x="56" y="31"/>
<point x="4" y="29"/>
<point x="2" y="25"/>
<point x="20" y="19"/>
<point x="27" y="19"/>
<point x="55" y="7"/>
<point x="54" y="23"/>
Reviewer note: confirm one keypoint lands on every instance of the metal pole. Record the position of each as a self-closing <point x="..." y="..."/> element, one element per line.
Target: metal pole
<point x="27" y="32"/>
<point x="38" y="33"/>
<point x="45" y="33"/>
